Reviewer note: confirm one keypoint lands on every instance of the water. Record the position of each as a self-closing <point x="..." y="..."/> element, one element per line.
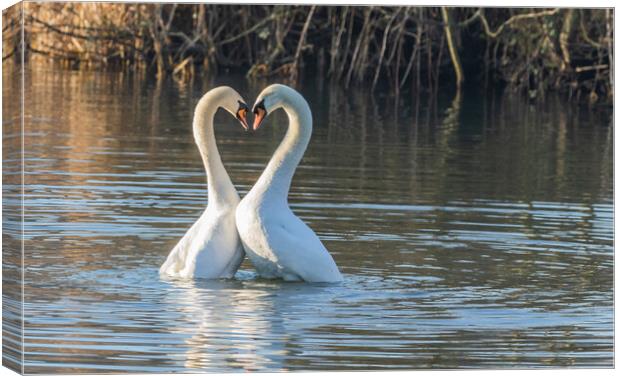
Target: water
<point x="476" y="235"/>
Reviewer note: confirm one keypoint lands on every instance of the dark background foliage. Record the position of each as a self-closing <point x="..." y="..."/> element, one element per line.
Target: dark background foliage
<point x="529" y="50"/>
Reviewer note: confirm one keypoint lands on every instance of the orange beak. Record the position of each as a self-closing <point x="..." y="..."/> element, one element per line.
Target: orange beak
<point x="242" y="113"/>
<point x="259" y="115"/>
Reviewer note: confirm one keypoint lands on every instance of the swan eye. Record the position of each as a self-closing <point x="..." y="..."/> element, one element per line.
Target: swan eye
<point x="259" y="106"/>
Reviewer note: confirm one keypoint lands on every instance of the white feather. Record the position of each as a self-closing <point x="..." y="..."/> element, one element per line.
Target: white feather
<point x="211" y="248"/>
<point x="278" y="243"/>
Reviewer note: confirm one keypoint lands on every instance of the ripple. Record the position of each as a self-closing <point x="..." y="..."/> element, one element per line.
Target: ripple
<point x="460" y="249"/>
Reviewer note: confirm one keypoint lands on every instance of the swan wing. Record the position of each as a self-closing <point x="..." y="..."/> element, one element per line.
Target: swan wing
<point x="210" y="249"/>
<point x="176" y="259"/>
<point x="299" y="251"/>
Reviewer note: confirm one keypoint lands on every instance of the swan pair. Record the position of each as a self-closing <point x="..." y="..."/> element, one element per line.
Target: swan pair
<point x="262" y="225"/>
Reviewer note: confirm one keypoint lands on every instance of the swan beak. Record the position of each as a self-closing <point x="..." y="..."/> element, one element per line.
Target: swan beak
<point x="259" y="115"/>
<point x="242" y="113"/>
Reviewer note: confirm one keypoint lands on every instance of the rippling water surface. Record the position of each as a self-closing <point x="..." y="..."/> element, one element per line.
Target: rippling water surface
<point x="472" y="234"/>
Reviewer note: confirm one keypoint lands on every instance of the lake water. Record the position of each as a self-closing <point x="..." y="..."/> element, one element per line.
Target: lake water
<point x="471" y="234"/>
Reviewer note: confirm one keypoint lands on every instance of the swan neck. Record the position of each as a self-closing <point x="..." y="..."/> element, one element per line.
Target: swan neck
<point x="220" y="189"/>
<point x="275" y="182"/>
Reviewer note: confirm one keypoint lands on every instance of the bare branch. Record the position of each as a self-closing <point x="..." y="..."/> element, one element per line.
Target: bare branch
<point x="512" y="20"/>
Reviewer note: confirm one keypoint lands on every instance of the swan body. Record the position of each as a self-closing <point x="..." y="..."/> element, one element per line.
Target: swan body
<point x="277" y="242"/>
<point x="211" y="248"/>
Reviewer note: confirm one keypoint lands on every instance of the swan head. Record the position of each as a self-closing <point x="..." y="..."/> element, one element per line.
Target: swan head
<point x="231" y="101"/>
<point x="270" y="99"/>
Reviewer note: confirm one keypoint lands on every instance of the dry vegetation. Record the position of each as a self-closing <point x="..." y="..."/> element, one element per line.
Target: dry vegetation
<point x="532" y="50"/>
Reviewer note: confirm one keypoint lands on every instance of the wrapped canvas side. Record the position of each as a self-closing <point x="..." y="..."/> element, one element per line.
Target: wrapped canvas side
<point x="12" y="187"/>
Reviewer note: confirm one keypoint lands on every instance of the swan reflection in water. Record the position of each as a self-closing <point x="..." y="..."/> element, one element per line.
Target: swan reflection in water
<point x="231" y="326"/>
<point x="251" y="324"/>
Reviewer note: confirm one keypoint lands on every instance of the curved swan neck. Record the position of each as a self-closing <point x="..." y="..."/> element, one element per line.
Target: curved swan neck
<point x="275" y="181"/>
<point x="220" y="188"/>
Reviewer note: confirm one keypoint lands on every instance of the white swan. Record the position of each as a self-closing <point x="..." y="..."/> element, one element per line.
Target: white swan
<point x="279" y="244"/>
<point x="211" y="248"/>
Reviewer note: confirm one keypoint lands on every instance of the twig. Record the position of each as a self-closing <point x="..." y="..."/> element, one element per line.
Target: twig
<point x="386" y="32"/>
<point x="591" y="68"/>
<point x="86" y="37"/>
<point x="586" y="37"/>
<point x="511" y="20"/>
<point x="456" y="62"/>
<point x="248" y="31"/>
<point x="413" y="55"/>
<point x="9" y="54"/>
<point x="302" y="39"/>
